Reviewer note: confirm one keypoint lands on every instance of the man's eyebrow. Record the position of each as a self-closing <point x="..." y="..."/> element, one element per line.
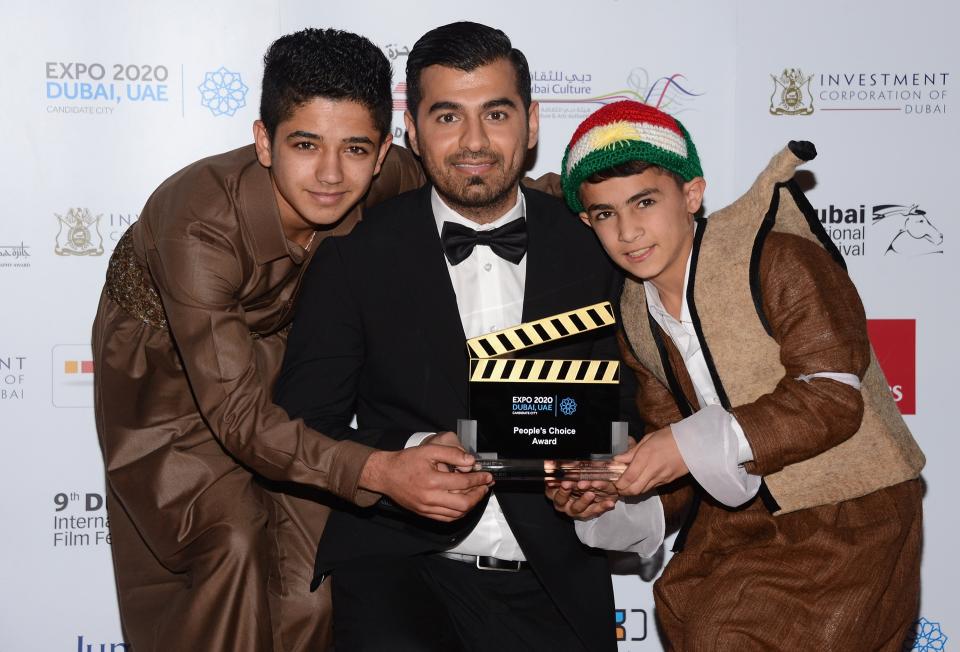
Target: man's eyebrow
<point x="445" y="105"/>
<point x="358" y="140"/>
<point x="500" y="101"/>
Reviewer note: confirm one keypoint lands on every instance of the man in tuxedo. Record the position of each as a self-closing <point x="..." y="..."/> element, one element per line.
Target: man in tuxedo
<point x="380" y="331"/>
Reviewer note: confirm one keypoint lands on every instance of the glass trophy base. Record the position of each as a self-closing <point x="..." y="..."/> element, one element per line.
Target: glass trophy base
<point x="551" y="470"/>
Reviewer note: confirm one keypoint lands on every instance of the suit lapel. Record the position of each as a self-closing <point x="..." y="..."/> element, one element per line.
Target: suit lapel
<point x="434" y="303"/>
<point x="545" y="267"/>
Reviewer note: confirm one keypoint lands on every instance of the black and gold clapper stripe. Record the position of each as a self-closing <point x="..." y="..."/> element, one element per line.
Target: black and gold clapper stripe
<point x="486" y="365"/>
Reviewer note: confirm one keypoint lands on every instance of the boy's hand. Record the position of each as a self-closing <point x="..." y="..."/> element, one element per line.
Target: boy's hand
<point x="579" y="504"/>
<point x="655" y="461"/>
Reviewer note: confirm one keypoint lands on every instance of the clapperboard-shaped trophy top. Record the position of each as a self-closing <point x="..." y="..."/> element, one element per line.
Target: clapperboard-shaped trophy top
<point x="524" y="411"/>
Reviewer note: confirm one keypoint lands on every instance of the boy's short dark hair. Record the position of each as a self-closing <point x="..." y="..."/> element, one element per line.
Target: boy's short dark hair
<point x="630" y="168"/>
<point x="464" y="46"/>
<point x="325" y="63"/>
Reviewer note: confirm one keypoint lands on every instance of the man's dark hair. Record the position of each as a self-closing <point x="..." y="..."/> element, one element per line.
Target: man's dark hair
<point x="464" y="46"/>
<point x="630" y="168"/>
<point x="325" y="63"/>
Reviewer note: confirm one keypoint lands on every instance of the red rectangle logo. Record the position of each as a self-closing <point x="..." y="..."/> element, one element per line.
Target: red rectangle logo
<point x="895" y="343"/>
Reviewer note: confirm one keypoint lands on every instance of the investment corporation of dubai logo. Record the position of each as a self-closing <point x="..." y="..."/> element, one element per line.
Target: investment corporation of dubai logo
<point x="891" y="230"/>
<point x="223" y="92"/>
<point x="79" y="233"/>
<point x="12" y="377"/>
<point x="791" y="93"/>
<point x="895" y="343"/>
<point x="898" y="92"/>
<point x="72" y="376"/>
<point x="926" y="636"/>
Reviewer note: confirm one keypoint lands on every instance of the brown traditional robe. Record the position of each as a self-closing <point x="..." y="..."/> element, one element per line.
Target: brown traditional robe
<point x="187" y="342"/>
<point x="835" y="577"/>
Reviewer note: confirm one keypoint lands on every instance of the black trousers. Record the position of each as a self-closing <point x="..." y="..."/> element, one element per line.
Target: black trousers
<point x="428" y="603"/>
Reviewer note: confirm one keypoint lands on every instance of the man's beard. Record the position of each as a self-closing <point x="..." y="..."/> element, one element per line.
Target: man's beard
<point x="478" y="192"/>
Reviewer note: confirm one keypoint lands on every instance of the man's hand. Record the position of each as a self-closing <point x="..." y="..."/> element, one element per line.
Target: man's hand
<point x="655" y="461"/>
<point x="582" y="500"/>
<point x="418" y="479"/>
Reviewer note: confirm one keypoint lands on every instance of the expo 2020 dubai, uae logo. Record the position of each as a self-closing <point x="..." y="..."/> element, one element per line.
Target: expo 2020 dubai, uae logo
<point x="223" y="92"/>
<point x="926" y="637"/>
<point x="568" y="406"/>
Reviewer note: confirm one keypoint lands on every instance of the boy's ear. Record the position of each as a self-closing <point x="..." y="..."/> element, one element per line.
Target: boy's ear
<point x="261" y="140"/>
<point x="382" y="153"/>
<point x="693" y="194"/>
<point x="585" y="218"/>
<point x="411" y="126"/>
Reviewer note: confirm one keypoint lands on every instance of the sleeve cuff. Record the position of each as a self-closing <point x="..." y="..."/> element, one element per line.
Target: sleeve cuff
<point x="636" y="526"/>
<point x="711" y="449"/>
<point x="345" y="473"/>
<point x="417" y="438"/>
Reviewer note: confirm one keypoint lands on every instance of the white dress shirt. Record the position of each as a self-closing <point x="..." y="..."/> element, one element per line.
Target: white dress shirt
<point x="711" y="442"/>
<point x="489" y="293"/>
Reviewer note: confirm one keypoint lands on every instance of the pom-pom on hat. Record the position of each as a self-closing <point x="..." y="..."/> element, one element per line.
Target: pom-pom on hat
<point x="626" y="131"/>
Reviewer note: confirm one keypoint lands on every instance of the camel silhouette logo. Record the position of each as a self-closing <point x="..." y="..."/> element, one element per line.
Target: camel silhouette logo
<point x="916" y="235"/>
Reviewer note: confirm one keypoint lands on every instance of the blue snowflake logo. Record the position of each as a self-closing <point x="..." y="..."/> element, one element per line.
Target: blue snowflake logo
<point x="926" y="637"/>
<point x="568" y="406"/>
<point x="223" y="92"/>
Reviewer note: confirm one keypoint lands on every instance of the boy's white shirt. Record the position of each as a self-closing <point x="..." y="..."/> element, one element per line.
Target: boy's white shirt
<point x="711" y="442"/>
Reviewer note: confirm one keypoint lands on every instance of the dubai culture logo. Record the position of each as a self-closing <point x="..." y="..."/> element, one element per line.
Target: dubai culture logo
<point x="926" y="637"/>
<point x="667" y="93"/>
<point x="791" y="93"/>
<point x="916" y="235"/>
<point x="79" y="234"/>
<point x="223" y="92"/>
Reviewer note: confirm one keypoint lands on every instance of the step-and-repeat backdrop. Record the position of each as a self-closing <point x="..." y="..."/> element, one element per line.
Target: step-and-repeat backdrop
<point x="102" y="101"/>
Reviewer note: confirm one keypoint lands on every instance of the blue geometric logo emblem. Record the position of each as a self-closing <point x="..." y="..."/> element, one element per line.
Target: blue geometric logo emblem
<point x="568" y="406"/>
<point x="223" y="92"/>
<point x="926" y="637"/>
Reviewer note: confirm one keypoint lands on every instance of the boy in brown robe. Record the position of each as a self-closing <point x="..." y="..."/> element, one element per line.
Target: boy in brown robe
<point x="188" y="340"/>
<point x="770" y="428"/>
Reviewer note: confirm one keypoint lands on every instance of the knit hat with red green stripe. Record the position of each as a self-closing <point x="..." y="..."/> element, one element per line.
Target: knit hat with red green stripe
<point x="626" y="131"/>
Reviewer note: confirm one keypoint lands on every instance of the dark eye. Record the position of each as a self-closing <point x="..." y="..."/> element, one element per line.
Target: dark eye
<point x="498" y="115"/>
<point x="602" y="215"/>
<point x="357" y="150"/>
<point x="446" y="118"/>
<point x="304" y="145"/>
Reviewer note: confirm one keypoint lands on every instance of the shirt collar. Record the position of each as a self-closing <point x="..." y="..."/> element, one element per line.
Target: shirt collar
<point x="443" y="213"/>
<point x="656" y="305"/>
<point x="259" y="212"/>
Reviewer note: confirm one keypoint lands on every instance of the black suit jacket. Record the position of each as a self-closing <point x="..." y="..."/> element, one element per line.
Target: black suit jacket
<point x="378" y="333"/>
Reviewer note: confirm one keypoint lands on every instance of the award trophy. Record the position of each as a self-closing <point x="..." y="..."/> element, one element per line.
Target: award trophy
<point x="533" y="419"/>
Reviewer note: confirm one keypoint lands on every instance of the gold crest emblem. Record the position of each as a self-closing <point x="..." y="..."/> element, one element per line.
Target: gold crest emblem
<point x="791" y="93"/>
<point x="79" y="234"/>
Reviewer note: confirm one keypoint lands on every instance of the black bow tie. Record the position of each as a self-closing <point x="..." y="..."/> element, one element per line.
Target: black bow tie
<point x="508" y="241"/>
